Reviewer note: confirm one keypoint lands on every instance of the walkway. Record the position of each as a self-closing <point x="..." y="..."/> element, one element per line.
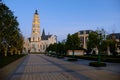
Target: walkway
<point x="41" y="67"/>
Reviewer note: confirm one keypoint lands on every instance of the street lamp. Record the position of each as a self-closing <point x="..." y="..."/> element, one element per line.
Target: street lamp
<point x="73" y="55"/>
<point x="6" y="45"/>
<point x="99" y="54"/>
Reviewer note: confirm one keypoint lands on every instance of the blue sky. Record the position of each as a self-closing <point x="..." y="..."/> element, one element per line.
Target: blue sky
<point x="61" y="17"/>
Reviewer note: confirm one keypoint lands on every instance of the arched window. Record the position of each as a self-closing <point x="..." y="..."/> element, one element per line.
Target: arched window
<point x="40" y="46"/>
<point x="33" y="45"/>
<point x="38" y="39"/>
<point x="43" y="47"/>
<point x="33" y="38"/>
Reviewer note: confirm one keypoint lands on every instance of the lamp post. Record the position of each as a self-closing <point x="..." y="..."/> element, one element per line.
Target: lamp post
<point x="99" y="54"/>
<point x="73" y="55"/>
<point x="4" y="43"/>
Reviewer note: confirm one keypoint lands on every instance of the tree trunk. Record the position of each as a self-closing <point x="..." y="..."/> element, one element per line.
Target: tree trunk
<point x="91" y="51"/>
<point x="16" y="51"/>
<point x="73" y="53"/>
<point x="19" y="52"/>
<point x="5" y="53"/>
<point x="11" y="51"/>
<point x="96" y="50"/>
<point x="108" y="50"/>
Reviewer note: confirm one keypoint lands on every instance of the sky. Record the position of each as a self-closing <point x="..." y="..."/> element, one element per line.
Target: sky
<point x="63" y="17"/>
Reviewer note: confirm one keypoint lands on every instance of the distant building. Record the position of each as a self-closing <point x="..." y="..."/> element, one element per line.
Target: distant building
<point x="38" y="42"/>
<point x="116" y="37"/>
<point x="83" y="35"/>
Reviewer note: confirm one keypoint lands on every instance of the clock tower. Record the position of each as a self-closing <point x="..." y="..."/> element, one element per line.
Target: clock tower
<point x="35" y="36"/>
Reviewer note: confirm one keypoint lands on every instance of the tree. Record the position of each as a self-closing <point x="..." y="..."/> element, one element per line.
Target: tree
<point x="60" y="48"/>
<point x="113" y="47"/>
<point x="108" y="45"/>
<point x="73" y="42"/>
<point x="93" y="40"/>
<point x="52" y="47"/>
<point x="9" y="31"/>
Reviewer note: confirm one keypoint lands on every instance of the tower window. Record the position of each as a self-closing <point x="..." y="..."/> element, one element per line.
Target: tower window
<point x="33" y="38"/>
<point x="38" y="45"/>
<point x="38" y="39"/>
<point x="33" y="45"/>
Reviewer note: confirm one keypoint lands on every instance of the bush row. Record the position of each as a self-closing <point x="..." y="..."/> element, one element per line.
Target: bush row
<point x="103" y="58"/>
<point x="97" y="64"/>
<point x="72" y="59"/>
<point x="5" y="60"/>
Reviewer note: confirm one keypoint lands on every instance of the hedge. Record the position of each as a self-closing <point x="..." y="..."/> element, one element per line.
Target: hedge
<point x="97" y="64"/>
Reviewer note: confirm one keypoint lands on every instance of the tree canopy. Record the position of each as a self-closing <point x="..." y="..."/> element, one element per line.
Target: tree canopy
<point x="72" y="42"/>
<point x="93" y="40"/>
<point x="9" y="30"/>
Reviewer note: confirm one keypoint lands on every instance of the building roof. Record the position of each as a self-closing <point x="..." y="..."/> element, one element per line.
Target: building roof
<point x="43" y="33"/>
<point x="116" y="35"/>
<point x="45" y="37"/>
<point x="87" y="31"/>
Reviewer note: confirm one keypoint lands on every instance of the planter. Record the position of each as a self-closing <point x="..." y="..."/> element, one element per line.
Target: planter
<point x="72" y="59"/>
<point x="97" y="64"/>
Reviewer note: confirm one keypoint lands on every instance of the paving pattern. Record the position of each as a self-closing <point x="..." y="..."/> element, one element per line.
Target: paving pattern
<point x="41" y="67"/>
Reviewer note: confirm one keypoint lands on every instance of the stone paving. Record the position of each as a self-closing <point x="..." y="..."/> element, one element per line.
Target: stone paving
<point x="41" y="67"/>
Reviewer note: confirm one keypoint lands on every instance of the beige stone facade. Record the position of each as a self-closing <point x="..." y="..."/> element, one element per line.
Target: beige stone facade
<point x="116" y="37"/>
<point x="83" y="35"/>
<point x="38" y="42"/>
<point x="76" y="52"/>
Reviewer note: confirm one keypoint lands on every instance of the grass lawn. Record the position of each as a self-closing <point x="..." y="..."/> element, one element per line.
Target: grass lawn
<point x="5" y="60"/>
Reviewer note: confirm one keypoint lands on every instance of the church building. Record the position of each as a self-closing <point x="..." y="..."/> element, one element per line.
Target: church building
<point x="38" y="42"/>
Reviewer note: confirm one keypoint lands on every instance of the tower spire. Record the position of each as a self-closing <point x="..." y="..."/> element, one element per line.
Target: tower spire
<point x="43" y="33"/>
<point x="36" y="12"/>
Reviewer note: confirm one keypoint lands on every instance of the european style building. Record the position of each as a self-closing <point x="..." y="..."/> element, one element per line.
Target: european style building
<point x="83" y="35"/>
<point x="38" y="42"/>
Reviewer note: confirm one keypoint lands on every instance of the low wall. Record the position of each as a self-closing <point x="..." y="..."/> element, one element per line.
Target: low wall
<point x="76" y="52"/>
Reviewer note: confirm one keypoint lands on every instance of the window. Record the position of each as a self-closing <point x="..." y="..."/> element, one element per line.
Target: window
<point x="40" y="46"/>
<point x="81" y="39"/>
<point x="33" y="38"/>
<point x="33" y="31"/>
<point x="87" y="32"/>
<point x="43" y="47"/>
<point x="33" y="45"/>
<point x="81" y="32"/>
<point x="86" y="38"/>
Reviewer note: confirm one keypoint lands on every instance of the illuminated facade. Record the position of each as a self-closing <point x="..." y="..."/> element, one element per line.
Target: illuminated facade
<point x="38" y="42"/>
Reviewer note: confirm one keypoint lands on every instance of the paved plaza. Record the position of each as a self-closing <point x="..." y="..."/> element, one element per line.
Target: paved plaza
<point x="41" y="67"/>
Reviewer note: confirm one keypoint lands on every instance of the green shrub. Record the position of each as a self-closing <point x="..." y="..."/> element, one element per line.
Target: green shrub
<point x="72" y="59"/>
<point x="104" y="58"/>
<point x="97" y="64"/>
<point x="60" y="57"/>
<point x="5" y="60"/>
